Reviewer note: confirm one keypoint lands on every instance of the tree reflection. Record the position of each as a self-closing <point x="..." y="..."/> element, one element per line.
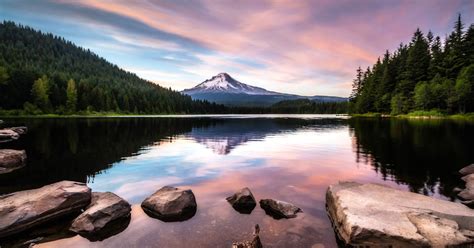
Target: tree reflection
<point x="424" y="154"/>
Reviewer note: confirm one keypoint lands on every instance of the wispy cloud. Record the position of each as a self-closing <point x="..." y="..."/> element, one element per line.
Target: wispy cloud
<point x="304" y="47"/>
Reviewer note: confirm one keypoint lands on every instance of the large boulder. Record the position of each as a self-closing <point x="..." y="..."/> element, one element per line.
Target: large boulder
<point x="380" y="216"/>
<point x="170" y="204"/>
<point x="105" y="210"/>
<point x="467" y="170"/>
<point x="11" y="160"/>
<point x="242" y="201"/>
<point x="279" y="209"/>
<point x="23" y="210"/>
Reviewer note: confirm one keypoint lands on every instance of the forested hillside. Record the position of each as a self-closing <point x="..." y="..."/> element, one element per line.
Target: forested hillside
<point x="430" y="73"/>
<point x="43" y="73"/>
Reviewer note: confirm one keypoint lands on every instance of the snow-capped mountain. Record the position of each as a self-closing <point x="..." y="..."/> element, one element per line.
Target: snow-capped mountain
<point x="224" y="89"/>
<point x="224" y="83"/>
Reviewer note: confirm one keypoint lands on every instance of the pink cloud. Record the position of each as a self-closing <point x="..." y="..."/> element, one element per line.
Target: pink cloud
<point x="317" y="43"/>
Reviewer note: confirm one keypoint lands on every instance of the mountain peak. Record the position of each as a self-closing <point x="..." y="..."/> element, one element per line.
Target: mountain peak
<point x="223" y="74"/>
<point x="224" y="83"/>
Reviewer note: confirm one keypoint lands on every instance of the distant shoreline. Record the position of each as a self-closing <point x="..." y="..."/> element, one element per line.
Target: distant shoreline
<point x="419" y="115"/>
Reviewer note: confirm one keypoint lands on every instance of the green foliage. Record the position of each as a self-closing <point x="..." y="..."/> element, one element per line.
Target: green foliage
<point x="3" y="75"/>
<point x="71" y="93"/>
<point x="421" y="76"/>
<point x="465" y="89"/>
<point x="40" y="93"/>
<point x="27" y="54"/>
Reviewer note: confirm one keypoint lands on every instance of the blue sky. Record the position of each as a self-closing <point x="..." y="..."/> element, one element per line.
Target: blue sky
<point x="305" y="47"/>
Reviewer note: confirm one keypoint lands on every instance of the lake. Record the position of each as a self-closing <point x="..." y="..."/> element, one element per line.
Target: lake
<point x="287" y="157"/>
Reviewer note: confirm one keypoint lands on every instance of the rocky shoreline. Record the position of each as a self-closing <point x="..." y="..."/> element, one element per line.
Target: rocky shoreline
<point x="372" y="215"/>
<point x="99" y="215"/>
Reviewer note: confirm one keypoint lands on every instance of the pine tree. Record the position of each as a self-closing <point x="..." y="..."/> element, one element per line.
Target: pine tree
<point x="468" y="45"/>
<point x="454" y="59"/>
<point x="356" y="85"/>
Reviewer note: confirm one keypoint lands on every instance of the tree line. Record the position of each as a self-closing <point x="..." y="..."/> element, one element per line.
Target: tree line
<point x="427" y="74"/>
<point x="41" y="73"/>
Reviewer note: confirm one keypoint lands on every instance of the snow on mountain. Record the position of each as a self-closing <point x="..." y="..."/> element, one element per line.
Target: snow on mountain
<point x="224" y="83"/>
<point x="224" y="89"/>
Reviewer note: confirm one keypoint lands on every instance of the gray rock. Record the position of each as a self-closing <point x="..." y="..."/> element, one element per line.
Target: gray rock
<point x="8" y="135"/>
<point x="468" y="193"/>
<point x="242" y="201"/>
<point x="467" y="170"/>
<point x="279" y="209"/>
<point x="376" y="215"/>
<point x="23" y="210"/>
<point x="105" y="208"/>
<point x="11" y="160"/>
<point x="170" y="204"/>
<point x="19" y="130"/>
<point x="255" y="243"/>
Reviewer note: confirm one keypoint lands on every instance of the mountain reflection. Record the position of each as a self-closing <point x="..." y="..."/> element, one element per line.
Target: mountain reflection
<point x="78" y="149"/>
<point x="226" y="134"/>
<point x="423" y="154"/>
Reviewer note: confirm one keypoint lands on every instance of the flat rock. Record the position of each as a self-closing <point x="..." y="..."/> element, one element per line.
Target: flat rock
<point x="8" y="135"/>
<point x="279" y="209"/>
<point x="467" y="170"/>
<point x="170" y="204"/>
<point x="104" y="210"/>
<point x="243" y="201"/>
<point x="11" y="160"/>
<point x="23" y="210"/>
<point x="380" y="216"/>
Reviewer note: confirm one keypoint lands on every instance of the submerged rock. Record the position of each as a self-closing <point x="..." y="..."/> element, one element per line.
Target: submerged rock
<point x="279" y="209"/>
<point x="23" y="210"/>
<point x="171" y="204"/>
<point x="242" y="201"/>
<point x="376" y="215"/>
<point x="255" y="243"/>
<point x="19" y="130"/>
<point x="467" y="170"/>
<point x="104" y="210"/>
<point x="11" y="133"/>
<point x="11" y="160"/>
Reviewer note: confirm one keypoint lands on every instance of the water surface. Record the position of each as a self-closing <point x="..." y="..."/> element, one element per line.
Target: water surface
<point x="288" y="157"/>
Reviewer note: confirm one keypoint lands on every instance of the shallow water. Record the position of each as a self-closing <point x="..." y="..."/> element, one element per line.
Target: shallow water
<point x="287" y="157"/>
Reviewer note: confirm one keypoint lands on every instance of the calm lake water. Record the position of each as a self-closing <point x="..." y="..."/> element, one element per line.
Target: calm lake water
<point x="288" y="157"/>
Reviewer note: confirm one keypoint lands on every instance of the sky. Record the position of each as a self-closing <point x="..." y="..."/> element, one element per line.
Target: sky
<point x="306" y="47"/>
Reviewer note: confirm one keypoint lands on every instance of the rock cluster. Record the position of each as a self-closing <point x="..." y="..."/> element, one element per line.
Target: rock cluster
<point x="12" y="133"/>
<point x="379" y="216"/>
<point x="11" y="160"/>
<point x="23" y="210"/>
<point x="105" y="214"/>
